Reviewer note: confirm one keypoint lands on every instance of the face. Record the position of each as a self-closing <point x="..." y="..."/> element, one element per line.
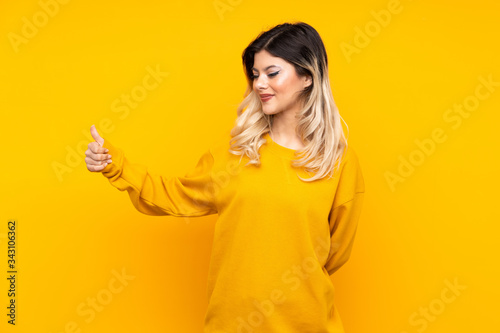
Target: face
<point x="276" y="76"/>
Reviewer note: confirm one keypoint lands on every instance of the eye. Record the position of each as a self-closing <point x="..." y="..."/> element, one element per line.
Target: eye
<point x="270" y="75"/>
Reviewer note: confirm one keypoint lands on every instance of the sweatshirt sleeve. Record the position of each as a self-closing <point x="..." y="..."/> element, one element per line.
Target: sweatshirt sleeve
<point x="345" y="213"/>
<point x="152" y="194"/>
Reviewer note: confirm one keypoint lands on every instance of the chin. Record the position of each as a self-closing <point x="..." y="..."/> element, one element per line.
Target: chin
<point x="268" y="110"/>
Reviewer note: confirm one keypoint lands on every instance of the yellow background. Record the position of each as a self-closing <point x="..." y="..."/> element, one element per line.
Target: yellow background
<point x="74" y="229"/>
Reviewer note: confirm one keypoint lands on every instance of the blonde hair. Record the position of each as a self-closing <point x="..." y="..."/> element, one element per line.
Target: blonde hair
<point x="319" y="124"/>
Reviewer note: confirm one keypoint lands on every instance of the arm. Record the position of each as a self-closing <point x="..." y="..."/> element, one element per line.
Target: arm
<point x="343" y="222"/>
<point x="345" y="213"/>
<point x="151" y="194"/>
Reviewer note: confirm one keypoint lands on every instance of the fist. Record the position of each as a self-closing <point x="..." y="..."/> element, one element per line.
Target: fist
<point x="96" y="156"/>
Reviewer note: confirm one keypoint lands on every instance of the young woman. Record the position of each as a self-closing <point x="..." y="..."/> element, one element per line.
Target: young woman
<point x="287" y="188"/>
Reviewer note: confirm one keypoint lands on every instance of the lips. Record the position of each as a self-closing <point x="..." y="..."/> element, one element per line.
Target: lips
<point x="266" y="97"/>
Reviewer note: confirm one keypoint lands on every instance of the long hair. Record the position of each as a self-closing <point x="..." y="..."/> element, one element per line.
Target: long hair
<point x="319" y="124"/>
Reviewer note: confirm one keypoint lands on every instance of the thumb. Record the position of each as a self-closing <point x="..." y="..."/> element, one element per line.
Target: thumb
<point x="96" y="135"/>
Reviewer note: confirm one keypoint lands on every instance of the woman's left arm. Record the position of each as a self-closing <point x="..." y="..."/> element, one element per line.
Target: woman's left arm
<point x="345" y="213"/>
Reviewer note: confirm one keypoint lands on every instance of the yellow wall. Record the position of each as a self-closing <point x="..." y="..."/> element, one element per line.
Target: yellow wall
<point x="430" y="218"/>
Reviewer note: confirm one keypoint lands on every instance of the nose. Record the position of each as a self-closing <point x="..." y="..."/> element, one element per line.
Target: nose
<point x="260" y="83"/>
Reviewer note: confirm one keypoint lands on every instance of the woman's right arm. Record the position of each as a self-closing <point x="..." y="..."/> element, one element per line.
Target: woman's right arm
<point x="153" y="194"/>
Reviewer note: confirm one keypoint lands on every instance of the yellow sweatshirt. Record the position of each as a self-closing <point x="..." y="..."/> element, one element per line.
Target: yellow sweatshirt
<point x="277" y="239"/>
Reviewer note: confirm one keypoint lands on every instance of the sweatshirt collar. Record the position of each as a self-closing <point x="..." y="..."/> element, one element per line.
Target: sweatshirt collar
<point x="279" y="149"/>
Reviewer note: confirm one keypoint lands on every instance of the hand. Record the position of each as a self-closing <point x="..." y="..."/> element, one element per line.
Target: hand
<point x="96" y="156"/>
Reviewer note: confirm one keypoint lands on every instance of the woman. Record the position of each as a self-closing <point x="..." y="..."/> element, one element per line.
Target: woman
<point x="285" y="224"/>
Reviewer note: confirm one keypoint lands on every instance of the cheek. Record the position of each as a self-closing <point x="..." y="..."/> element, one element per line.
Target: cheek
<point x="280" y="85"/>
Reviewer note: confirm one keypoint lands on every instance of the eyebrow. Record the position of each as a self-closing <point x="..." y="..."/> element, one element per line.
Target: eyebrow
<point x="253" y="68"/>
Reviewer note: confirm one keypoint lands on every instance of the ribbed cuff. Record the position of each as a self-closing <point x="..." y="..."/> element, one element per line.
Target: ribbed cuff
<point x="113" y="171"/>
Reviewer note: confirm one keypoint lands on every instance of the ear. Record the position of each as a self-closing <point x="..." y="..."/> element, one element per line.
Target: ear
<point x="307" y="81"/>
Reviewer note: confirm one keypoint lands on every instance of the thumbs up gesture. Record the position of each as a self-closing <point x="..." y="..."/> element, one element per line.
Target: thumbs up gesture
<point x="96" y="156"/>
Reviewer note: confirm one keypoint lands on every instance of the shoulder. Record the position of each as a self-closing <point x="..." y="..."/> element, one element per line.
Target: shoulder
<point x="351" y="171"/>
<point x="350" y="156"/>
<point x="350" y="159"/>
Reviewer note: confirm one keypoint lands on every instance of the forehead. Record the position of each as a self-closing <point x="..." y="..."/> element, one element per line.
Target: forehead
<point x="263" y="60"/>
